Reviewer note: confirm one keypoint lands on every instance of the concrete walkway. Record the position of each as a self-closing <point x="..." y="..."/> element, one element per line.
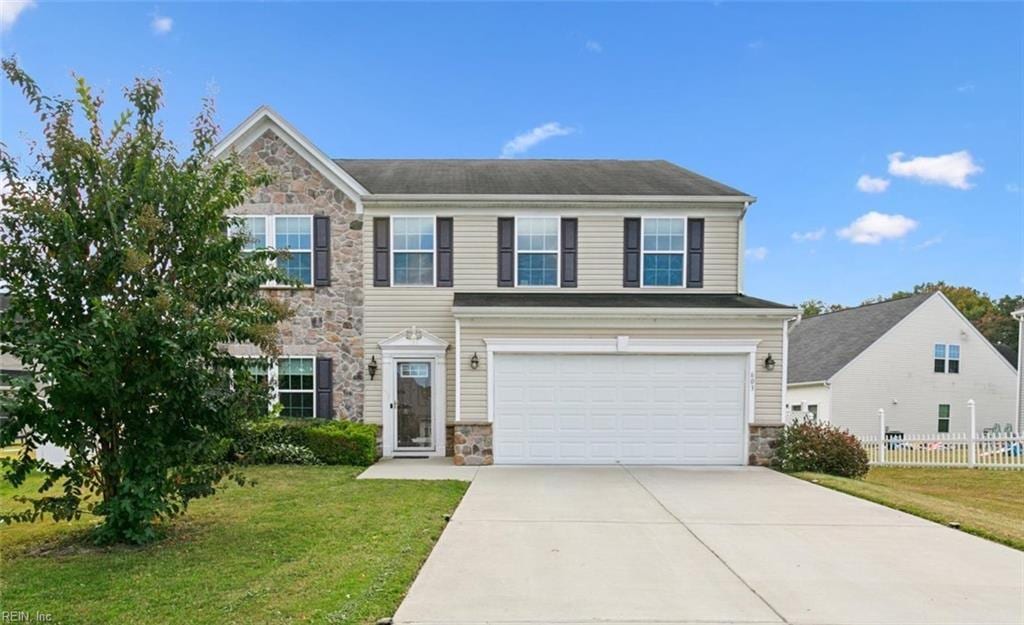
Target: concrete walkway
<point x="631" y="545"/>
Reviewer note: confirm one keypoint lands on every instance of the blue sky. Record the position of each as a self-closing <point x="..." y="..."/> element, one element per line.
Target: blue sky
<point x="793" y="103"/>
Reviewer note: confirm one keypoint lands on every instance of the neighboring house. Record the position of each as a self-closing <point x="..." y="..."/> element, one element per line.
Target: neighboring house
<point x="917" y="357"/>
<point x="1019" y="316"/>
<point x="518" y="311"/>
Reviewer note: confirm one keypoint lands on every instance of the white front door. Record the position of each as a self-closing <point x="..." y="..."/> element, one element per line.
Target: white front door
<point x="628" y="408"/>
<point x="414" y="406"/>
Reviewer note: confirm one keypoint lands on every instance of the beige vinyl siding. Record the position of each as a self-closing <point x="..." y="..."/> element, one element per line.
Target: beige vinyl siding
<point x="767" y="387"/>
<point x="389" y="310"/>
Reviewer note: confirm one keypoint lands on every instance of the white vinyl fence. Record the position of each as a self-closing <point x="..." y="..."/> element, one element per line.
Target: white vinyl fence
<point x="991" y="450"/>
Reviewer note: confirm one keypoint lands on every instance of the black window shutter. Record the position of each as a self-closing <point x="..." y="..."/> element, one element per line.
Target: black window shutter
<point x="631" y="252"/>
<point x="506" y="251"/>
<point x="321" y="250"/>
<point x="381" y="251"/>
<point x="695" y="253"/>
<point x="445" y="245"/>
<point x="570" y="225"/>
<point x="324" y="389"/>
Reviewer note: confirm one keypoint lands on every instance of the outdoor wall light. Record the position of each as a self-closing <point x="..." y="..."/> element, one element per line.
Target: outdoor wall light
<point x="372" y="367"/>
<point x="769" y="363"/>
<point x="474" y="362"/>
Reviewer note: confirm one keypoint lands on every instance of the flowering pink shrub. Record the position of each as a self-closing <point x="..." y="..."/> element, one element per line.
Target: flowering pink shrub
<point x="811" y="445"/>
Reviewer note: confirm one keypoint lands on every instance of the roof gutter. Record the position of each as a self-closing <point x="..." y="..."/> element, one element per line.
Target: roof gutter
<point x="498" y="197"/>
<point x="562" y="312"/>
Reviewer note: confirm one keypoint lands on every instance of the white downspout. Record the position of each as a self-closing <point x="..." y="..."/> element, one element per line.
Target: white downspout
<point x="458" y="370"/>
<point x="785" y="363"/>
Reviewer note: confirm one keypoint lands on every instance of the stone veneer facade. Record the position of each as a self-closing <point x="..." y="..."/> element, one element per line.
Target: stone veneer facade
<point x="328" y="321"/>
<point x="472" y="444"/>
<point x="763" y="440"/>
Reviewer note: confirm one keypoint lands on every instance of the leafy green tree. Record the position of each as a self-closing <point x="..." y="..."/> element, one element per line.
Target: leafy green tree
<point x="815" y="307"/>
<point x="124" y="286"/>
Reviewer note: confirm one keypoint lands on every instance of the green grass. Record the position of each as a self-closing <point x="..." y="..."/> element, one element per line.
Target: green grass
<point x="304" y="545"/>
<point x="987" y="503"/>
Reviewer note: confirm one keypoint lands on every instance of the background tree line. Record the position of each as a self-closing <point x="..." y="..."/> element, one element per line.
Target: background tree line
<point x="992" y="317"/>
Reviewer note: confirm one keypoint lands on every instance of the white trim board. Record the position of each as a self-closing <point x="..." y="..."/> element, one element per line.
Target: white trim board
<point x="265" y="118"/>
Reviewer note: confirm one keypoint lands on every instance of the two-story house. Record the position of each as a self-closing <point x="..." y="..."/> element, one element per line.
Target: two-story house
<point x="518" y="311"/>
<point x="918" y="358"/>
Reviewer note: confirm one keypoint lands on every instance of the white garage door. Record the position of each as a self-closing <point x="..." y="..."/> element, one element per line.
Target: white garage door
<point x="607" y="408"/>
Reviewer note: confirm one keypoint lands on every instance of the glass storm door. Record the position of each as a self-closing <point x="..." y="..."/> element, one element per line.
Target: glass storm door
<point x="413" y="408"/>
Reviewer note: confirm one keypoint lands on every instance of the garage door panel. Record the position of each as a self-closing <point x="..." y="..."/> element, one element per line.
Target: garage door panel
<point x="595" y="409"/>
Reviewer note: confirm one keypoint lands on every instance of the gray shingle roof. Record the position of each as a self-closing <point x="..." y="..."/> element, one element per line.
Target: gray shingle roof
<point x="530" y="177"/>
<point x="821" y="346"/>
<point x="616" y="300"/>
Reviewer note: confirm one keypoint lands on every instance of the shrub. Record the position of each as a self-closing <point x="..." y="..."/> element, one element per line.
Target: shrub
<point x="283" y="453"/>
<point x="811" y="445"/>
<point x="330" y="442"/>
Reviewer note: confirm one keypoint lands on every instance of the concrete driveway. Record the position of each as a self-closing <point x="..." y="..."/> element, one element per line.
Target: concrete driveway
<point x="650" y="545"/>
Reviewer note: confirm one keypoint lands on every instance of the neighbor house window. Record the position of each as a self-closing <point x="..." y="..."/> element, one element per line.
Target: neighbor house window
<point x="412" y="250"/>
<point x="295" y="387"/>
<point x="537" y="251"/>
<point x="947" y="358"/>
<point x="813" y="411"/>
<point x="282" y="232"/>
<point x="943" y="418"/>
<point x="663" y="248"/>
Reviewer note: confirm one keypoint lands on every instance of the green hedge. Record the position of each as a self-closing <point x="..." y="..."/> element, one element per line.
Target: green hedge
<point x="811" y="445"/>
<point x="331" y="442"/>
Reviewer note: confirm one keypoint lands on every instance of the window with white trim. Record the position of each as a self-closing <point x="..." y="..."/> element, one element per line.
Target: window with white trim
<point x="295" y="387"/>
<point x="292" y="383"/>
<point x="281" y="232"/>
<point x="946" y="358"/>
<point x="412" y="251"/>
<point x="663" y="249"/>
<point x="537" y="251"/>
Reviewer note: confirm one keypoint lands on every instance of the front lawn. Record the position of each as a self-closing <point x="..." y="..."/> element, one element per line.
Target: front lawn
<point x="988" y="503"/>
<point x="305" y="545"/>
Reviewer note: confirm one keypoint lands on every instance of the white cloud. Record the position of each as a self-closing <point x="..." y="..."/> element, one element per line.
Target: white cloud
<point x="966" y="87"/>
<point x="523" y="142"/>
<point x="951" y="170"/>
<point x="874" y="227"/>
<point x="757" y="253"/>
<point x="928" y="243"/>
<point x="811" y="235"/>
<point x="1012" y="187"/>
<point x="867" y="184"/>
<point x="10" y="10"/>
<point x="161" y="24"/>
<point x="757" y="44"/>
<point x="593" y="46"/>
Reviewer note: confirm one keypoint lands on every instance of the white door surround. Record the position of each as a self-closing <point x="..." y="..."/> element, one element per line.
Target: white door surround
<point x="727" y="416"/>
<point x="413" y="344"/>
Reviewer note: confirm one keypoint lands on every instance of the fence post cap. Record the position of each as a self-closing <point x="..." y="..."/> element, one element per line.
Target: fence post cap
<point x="970" y="402"/>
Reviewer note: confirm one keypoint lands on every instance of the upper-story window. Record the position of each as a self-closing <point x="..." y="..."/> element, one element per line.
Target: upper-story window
<point x="947" y="358"/>
<point x="282" y="232"/>
<point x="537" y="251"/>
<point x="663" y="250"/>
<point x="412" y="250"/>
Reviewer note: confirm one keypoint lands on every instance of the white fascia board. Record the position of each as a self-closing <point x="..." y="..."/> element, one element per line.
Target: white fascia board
<point x="487" y="197"/>
<point x="800" y="384"/>
<point x="622" y="345"/>
<point x="265" y="118"/>
<point x="613" y="313"/>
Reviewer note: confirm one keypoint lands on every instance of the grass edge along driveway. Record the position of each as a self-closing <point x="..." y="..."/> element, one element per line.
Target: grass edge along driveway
<point x="304" y="545"/>
<point x="985" y="502"/>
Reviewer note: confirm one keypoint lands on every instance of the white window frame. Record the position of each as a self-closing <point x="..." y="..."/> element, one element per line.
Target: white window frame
<point x="270" y="231"/>
<point x="273" y="377"/>
<point x="274" y="383"/>
<point x="392" y="251"/>
<point x="946" y="357"/>
<point x="557" y="252"/>
<point x="644" y="252"/>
